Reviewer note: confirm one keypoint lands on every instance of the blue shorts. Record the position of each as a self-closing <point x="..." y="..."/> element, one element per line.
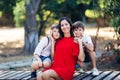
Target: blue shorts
<point x="43" y="58"/>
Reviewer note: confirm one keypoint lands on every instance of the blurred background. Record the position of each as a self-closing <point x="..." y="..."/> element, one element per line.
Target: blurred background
<point x="24" y="22"/>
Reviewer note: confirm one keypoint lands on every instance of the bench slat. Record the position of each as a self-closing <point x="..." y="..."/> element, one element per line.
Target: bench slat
<point x="102" y="75"/>
<point x="111" y="76"/>
<point x="91" y="76"/>
<point x="82" y="75"/>
<point x="10" y="75"/>
<point x="118" y="77"/>
<point x="18" y="75"/>
<point x="25" y="75"/>
<point x="7" y="73"/>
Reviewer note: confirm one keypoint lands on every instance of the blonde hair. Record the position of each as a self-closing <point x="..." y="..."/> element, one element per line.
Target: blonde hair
<point x="55" y="26"/>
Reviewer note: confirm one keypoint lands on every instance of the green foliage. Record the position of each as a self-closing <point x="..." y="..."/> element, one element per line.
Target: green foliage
<point x="115" y="22"/>
<point x="27" y="1"/>
<point x="118" y="59"/>
<point x="92" y="13"/>
<point x="112" y="9"/>
<point x="19" y="14"/>
<point x="6" y="6"/>
<point x="83" y="1"/>
<point x="0" y="13"/>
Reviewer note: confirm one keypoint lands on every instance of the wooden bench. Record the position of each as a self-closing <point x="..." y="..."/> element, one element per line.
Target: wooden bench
<point x="25" y="75"/>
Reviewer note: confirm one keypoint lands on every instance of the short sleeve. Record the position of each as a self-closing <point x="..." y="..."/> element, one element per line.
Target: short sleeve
<point x="75" y="49"/>
<point x="87" y="39"/>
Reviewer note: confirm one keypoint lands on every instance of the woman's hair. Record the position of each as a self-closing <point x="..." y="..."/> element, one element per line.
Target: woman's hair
<point x="78" y="24"/>
<point x="55" y="26"/>
<point x="69" y="21"/>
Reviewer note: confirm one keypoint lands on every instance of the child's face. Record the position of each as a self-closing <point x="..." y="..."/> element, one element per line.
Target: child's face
<point x="78" y="32"/>
<point x="55" y="33"/>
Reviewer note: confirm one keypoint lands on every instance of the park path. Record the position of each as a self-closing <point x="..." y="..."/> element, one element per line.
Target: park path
<point x="16" y="64"/>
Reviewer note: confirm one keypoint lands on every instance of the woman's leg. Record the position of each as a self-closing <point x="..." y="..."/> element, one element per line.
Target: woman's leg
<point x="40" y="76"/>
<point x="49" y="75"/>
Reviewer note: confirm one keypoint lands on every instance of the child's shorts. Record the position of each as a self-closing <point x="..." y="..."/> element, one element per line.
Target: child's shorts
<point x="87" y="56"/>
<point x="43" y="58"/>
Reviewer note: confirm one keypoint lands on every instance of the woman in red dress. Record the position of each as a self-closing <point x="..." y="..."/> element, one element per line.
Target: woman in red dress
<point x="66" y="54"/>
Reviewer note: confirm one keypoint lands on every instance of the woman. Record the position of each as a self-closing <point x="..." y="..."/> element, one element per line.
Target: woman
<point x="66" y="53"/>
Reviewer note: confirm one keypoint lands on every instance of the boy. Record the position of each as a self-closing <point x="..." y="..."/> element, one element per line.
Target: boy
<point x="88" y="47"/>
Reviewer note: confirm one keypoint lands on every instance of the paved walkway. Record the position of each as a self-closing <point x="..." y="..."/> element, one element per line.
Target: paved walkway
<point x="15" y="64"/>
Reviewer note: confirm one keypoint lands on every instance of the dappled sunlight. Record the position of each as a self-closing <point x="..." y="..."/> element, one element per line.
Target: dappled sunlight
<point x="11" y="34"/>
<point x="11" y="41"/>
<point x="106" y="32"/>
<point x="105" y="35"/>
<point x="1" y="51"/>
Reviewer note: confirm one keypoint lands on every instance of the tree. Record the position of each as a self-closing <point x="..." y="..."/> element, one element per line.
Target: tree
<point x="60" y="8"/>
<point x="112" y="9"/>
<point x="31" y="29"/>
<point x="6" y="6"/>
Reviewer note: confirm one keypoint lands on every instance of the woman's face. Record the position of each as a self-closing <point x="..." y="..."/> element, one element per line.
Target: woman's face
<point x="65" y="26"/>
<point x="55" y="33"/>
<point x="78" y="32"/>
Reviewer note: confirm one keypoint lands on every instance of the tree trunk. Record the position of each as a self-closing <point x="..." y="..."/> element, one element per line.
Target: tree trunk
<point x="31" y="29"/>
<point x="42" y="22"/>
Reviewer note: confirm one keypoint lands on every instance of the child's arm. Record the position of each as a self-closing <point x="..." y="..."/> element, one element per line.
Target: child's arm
<point x="52" y="47"/>
<point x="81" y="55"/>
<point x="88" y="43"/>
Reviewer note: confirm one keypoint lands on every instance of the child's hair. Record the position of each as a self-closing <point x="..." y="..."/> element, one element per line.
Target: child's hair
<point x="55" y="26"/>
<point x="78" y="24"/>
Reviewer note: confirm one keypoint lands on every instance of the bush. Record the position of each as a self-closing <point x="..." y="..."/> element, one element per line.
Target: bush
<point x="19" y="14"/>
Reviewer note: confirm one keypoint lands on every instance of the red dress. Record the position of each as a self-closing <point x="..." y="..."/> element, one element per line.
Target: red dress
<point x="65" y="58"/>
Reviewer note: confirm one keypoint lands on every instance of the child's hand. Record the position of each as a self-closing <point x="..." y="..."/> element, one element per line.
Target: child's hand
<point x="80" y="39"/>
<point x="51" y="36"/>
<point x="75" y="39"/>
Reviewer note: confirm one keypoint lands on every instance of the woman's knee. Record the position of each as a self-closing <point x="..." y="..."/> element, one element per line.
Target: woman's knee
<point x="51" y="75"/>
<point x="40" y="76"/>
